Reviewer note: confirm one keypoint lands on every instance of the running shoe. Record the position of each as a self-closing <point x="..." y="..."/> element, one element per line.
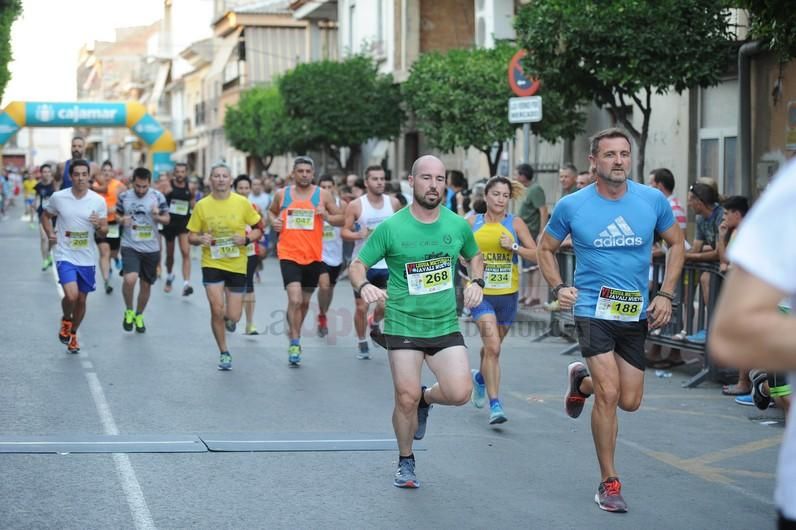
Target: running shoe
<point x="66" y="331"/>
<point x="478" y="395"/>
<point x="169" y="282"/>
<point x="698" y="338"/>
<point x="108" y="288"/>
<point x="760" y="396"/>
<point x="230" y="325"/>
<point x="294" y="354"/>
<point x="364" y="351"/>
<point x="251" y="330"/>
<point x="129" y="320"/>
<point x="422" y="418"/>
<point x="118" y="263"/>
<point x="187" y="290"/>
<point x="496" y="414"/>
<point x="609" y="496"/>
<point x="139" y="323"/>
<point x="746" y="401"/>
<point x="574" y="398"/>
<point x="323" y="328"/>
<point x="405" y="475"/>
<point x="46" y="263"/>
<point x="73" y="346"/>
<point x="225" y="361"/>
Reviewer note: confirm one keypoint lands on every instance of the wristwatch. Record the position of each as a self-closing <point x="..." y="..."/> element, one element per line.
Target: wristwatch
<point x="479" y="282"/>
<point x="515" y="247"/>
<point x="557" y="288"/>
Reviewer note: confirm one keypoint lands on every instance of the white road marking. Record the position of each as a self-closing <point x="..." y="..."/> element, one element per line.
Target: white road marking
<point x="142" y="517"/>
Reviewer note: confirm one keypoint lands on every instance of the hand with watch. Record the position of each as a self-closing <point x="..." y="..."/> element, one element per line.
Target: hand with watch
<point x="474" y="293"/>
<point x="659" y="311"/>
<point x="370" y="293"/>
<point x="566" y="295"/>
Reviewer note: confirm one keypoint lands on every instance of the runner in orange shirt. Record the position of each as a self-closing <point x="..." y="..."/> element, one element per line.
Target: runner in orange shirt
<point x="298" y="213"/>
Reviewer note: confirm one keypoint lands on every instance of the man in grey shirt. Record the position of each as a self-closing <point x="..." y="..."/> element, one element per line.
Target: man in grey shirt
<point x="140" y="209"/>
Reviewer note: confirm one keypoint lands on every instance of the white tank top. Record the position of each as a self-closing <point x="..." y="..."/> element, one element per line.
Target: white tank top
<point x="371" y="218"/>
<point x="332" y="243"/>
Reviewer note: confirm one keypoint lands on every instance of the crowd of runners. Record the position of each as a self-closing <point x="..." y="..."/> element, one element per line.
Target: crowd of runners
<point x="403" y="255"/>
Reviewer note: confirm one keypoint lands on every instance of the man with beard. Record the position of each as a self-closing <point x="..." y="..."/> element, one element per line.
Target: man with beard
<point x="179" y="201"/>
<point x="422" y="245"/>
<point x="78" y="150"/>
<point x="140" y="209"/>
<point x="612" y="225"/>
<point x="298" y="213"/>
<point x="362" y="216"/>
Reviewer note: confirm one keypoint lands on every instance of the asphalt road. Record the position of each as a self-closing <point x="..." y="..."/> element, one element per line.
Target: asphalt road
<point x="688" y="458"/>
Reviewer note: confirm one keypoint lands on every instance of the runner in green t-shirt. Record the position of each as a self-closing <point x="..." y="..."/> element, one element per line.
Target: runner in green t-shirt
<point x="421" y="245"/>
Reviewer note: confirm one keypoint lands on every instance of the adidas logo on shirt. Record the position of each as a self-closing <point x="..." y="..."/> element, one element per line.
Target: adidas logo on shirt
<point x="618" y="234"/>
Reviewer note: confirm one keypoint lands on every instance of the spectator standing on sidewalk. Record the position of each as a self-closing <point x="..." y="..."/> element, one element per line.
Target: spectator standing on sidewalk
<point x="533" y="211"/>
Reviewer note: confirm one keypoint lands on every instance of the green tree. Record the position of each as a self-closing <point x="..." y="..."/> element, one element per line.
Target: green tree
<point x="460" y="99"/>
<point x="9" y="11"/>
<point x="622" y="52"/>
<point x="332" y="105"/>
<point x="257" y="124"/>
<point x="774" y="21"/>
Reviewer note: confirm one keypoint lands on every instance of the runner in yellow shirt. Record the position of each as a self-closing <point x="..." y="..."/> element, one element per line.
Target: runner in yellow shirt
<point x="218" y="224"/>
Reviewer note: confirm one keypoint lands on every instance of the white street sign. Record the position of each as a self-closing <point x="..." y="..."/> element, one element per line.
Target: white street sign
<point x="525" y="110"/>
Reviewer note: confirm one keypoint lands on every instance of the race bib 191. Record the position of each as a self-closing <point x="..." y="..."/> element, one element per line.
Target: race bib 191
<point x="113" y="232"/>
<point x="224" y="247"/>
<point x="497" y="275"/>
<point x="429" y="276"/>
<point x="143" y="233"/>
<point x="300" y="219"/>
<point x="178" y="207"/>
<point x="77" y="240"/>
<point x="616" y="304"/>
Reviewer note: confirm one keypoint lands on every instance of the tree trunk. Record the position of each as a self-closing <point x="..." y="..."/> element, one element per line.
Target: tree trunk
<point x="493" y="163"/>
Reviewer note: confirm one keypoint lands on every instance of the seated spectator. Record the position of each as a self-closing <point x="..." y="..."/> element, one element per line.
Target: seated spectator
<point x="567" y="176"/>
<point x="703" y="201"/>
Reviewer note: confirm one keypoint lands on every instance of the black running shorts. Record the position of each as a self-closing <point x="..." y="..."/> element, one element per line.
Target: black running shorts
<point x="626" y="339"/>
<point x="429" y="346"/>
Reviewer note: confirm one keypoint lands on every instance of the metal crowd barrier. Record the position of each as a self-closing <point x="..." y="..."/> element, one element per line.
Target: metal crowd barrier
<point x="691" y="311"/>
<point x="562" y="323"/>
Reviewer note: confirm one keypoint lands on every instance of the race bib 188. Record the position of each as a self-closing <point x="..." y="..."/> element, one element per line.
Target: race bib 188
<point x="429" y="276"/>
<point x="616" y="304"/>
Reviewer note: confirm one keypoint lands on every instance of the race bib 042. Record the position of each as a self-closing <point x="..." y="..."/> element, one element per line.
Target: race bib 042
<point x="300" y="219"/>
<point x="617" y="304"/>
<point x="429" y="276"/>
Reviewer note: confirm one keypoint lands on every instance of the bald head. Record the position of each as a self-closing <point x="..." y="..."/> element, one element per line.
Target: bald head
<point x="427" y="164"/>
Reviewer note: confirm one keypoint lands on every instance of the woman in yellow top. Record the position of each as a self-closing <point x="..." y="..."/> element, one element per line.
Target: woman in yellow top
<point x="503" y="239"/>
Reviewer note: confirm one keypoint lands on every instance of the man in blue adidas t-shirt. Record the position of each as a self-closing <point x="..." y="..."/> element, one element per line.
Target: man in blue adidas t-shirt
<point x="612" y="223"/>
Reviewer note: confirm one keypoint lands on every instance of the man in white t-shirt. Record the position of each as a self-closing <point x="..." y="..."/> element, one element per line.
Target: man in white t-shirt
<point x="82" y="214"/>
<point x="749" y="330"/>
